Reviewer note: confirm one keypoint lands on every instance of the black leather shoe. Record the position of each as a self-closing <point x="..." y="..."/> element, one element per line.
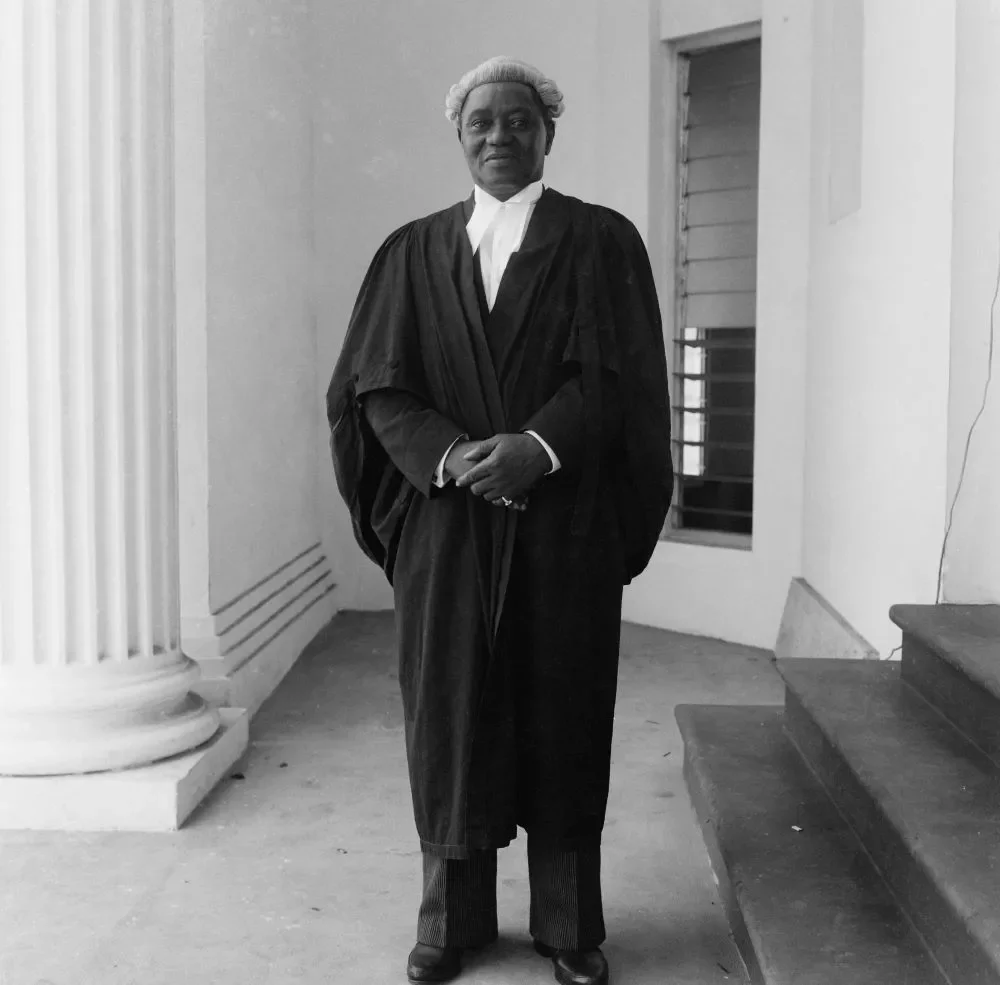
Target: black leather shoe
<point x="433" y="964"/>
<point x="576" y="967"/>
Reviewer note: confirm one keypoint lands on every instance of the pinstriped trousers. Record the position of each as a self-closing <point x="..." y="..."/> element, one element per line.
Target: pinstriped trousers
<point x="459" y="906"/>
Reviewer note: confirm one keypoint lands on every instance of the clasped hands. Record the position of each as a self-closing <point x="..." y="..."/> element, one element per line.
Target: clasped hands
<point x="501" y="469"/>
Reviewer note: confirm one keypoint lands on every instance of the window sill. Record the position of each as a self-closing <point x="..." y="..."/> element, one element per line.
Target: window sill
<point x="710" y="538"/>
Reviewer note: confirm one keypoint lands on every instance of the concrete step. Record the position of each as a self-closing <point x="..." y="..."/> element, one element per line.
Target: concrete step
<point x="951" y="655"/>
<point x="923" y="799"/>
<point x="804" y="901"/>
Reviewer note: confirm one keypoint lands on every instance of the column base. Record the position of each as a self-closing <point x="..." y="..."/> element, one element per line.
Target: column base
<point x="107" y="716"/>
<point x="158" y="797"/>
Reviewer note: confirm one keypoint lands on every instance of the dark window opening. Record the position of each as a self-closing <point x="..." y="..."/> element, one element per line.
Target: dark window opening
<point x="716" y="268"/>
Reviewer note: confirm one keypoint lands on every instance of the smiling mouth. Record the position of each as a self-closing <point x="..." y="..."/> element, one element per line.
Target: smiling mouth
<point x="501" y="157"/>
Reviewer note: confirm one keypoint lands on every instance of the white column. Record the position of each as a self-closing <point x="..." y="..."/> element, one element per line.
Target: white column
<point x="91" y="672"/>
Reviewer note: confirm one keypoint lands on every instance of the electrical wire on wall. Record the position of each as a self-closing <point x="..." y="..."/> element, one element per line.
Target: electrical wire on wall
<point x="972" y="428"/>
<point x="968" y="443"/>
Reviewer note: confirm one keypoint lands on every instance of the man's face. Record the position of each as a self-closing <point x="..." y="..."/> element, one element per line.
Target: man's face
<point x="505" y="137"/>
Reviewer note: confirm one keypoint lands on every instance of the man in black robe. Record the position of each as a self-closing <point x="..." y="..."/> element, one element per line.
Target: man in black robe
<point x="501" y="434"/>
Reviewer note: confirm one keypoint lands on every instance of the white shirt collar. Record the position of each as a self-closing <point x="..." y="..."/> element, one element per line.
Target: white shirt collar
<point x="487" y="207"/>
<point x="529" y="193"/>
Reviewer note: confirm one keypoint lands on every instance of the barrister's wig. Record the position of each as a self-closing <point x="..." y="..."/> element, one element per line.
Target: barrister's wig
<point x="503" y="69"/>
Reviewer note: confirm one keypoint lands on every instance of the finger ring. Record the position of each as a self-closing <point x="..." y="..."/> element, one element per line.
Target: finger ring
<point x="506" y="501"/>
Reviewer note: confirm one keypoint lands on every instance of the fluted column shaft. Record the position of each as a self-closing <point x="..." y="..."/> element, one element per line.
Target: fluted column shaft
<point x="91" y="672"/>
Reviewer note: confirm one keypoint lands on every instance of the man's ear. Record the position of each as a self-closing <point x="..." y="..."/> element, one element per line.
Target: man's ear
<point x="550" y="135"/>
<point x="458" y="131"/>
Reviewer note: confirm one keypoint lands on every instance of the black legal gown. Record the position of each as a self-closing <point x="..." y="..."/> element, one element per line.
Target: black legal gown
<point x="508" y="623"/>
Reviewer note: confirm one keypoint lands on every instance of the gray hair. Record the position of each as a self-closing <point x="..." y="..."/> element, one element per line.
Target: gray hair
<point x="503" y="69"/>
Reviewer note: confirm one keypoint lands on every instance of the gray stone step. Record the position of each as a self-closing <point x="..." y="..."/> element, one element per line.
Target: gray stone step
<point x="923" y="799"/>
<point x="951" y="655"/>
<point x="804" y="901"/>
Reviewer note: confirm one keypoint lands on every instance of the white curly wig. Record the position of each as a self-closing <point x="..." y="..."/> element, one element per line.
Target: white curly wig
<point x="503" y="69"/>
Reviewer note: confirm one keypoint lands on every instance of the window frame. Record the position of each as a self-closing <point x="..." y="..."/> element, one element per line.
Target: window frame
<point x="672" y="245"/>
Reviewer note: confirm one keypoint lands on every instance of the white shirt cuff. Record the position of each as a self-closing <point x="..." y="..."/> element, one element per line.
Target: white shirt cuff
<point x="553" y="457"/>
<point x="440" y="479"/>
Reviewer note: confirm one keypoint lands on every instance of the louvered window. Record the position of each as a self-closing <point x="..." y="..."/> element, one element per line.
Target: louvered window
<point x="716" y="269"/>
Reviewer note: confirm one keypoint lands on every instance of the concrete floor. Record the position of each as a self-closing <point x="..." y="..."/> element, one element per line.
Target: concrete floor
<point x="306" y="870"/>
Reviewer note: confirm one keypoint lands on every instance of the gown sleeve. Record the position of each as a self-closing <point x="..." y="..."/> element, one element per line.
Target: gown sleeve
<point x="560" y="421"/>
<point x="628" y="301"/>
<point x="381" y="352"/>
<point x="414" y="436"/>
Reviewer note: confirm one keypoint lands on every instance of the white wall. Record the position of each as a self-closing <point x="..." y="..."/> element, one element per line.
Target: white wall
<point x="879" y="310"/>
<point x="972" y="572"/>
<point x="736" y="594"/>
<point x="246" y="321"/>
<point x="262" y="434"/>
<point x="192" y="303"/>
<point x="687" y="19"/>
